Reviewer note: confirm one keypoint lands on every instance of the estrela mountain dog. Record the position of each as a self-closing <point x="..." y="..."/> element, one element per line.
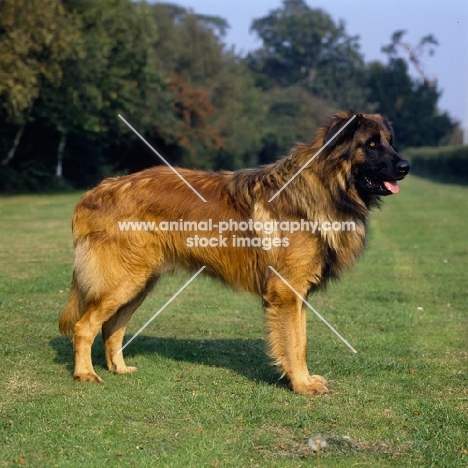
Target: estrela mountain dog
<point x="114" y="270"/>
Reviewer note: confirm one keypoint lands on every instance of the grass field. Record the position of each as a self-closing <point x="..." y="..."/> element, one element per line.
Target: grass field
<point x="205" y="394"/>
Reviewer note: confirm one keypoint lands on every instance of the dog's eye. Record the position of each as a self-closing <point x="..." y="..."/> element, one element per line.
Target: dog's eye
<point x="372" y="144"/>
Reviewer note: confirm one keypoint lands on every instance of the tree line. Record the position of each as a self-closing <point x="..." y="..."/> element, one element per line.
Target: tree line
<point x="68" y="68"/>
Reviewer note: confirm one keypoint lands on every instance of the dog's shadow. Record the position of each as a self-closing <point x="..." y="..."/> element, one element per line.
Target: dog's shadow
<point x="244" y="356"/>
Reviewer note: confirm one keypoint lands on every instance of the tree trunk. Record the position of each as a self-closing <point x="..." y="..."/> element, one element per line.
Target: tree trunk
<point x="60" y="151"/>
<point x="18" y="136"/>
<point x="16" y="142"/>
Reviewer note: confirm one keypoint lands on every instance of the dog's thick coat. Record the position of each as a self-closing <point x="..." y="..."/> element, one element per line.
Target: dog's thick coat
<point x="114" y="270"/>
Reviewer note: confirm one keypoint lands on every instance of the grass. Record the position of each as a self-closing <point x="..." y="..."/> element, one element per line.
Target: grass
<point x="205" y="394"/>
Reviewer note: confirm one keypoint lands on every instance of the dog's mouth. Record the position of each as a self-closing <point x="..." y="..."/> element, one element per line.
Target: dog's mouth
<point x="377" y="186"/>
<point x="380" y="187"/>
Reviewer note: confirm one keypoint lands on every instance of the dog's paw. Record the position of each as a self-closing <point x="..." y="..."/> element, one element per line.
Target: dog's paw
<point x="319" y="378"/>
<point x="314" y="384"/>
<point x="123" y="369"/>
<point x="88" y="377"/>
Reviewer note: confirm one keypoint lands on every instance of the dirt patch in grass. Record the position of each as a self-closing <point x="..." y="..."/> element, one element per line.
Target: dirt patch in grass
<point x="290" y="447"/>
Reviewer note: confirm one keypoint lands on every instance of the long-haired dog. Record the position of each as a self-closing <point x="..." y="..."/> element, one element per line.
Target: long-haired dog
<point x="114" y="269"/>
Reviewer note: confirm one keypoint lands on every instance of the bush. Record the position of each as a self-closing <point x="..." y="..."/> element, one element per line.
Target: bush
<point x="442" y="162"/>
<point x="29" y="177"/>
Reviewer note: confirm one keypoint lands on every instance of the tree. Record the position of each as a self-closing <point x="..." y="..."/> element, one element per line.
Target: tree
<point x="108" y="73"/>
<point x="227" y="131"/>
<point x="303" y="47"/>
<point x="293" y="116"/>
<point x="187" y="129"/>
<point x="32" y="48"/>
<point x="186" y="46"/>
<point x="411" y="104"/>
<point x="414" y="52"/>
<point x="240" y="116"/>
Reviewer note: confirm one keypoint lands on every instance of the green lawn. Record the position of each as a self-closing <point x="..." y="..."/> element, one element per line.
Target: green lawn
<point x="205" y="394"/>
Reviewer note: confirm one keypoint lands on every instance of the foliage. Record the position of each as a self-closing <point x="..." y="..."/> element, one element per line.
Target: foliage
<point x="31" y="52"/>
<point x="292" y="116"/>
<point x="190" y="50"/>
<point x="190" y="131"/>
<point x="414" y="53"/>
<point x="441" y="163"/>
<point x="411" y="104"/>
<point x="65" y="79"/>
<point x="109" y="72"/>
<point x="303" y="47"/>
<point x="240" y="118"/>
<point x="308" y="67"/>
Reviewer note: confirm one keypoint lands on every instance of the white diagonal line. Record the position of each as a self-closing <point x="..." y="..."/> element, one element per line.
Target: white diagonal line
<point x="312" y="158"/>
<point x="161" y="309"/>
<point x="167" y="164"/>
<point x="314" y="311"/>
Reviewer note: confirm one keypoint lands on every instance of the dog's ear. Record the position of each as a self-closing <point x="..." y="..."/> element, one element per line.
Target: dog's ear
<point x="341" y="128"/>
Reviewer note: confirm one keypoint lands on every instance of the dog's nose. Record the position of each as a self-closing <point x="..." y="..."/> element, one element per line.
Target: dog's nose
<point x="403" y="166"/>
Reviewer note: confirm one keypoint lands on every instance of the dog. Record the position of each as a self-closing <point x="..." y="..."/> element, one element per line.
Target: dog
<point x="337" y="177"/>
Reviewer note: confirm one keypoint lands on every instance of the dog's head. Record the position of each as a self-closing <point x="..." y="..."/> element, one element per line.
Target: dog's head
<point x="367" y="141"/>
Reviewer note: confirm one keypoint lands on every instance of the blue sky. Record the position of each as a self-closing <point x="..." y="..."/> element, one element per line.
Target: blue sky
<point x="374" y="21"/>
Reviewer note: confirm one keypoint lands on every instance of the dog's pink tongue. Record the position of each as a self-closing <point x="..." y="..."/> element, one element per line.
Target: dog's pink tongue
<point x="392" y="187"/>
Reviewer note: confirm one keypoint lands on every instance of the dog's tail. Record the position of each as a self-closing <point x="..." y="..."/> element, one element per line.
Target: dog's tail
<point x="73" y="310"/>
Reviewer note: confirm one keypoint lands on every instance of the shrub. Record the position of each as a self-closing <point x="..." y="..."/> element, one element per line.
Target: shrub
<point x="442" y="162"/>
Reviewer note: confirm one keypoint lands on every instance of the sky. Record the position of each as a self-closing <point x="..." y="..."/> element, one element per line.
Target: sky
<point x="374" y="21"/>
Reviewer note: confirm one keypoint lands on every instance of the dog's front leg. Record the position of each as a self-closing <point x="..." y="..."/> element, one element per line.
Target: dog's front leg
<point x="286" y="326"/>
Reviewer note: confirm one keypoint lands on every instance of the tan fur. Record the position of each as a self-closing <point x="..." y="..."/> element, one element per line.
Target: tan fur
<point x="114" y="270"/>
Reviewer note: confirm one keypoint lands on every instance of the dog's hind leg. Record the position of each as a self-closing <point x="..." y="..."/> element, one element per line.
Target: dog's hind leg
<point x="98" y="312"/>
<point x="113" y="331"/>
<point x="286" y="325"/>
